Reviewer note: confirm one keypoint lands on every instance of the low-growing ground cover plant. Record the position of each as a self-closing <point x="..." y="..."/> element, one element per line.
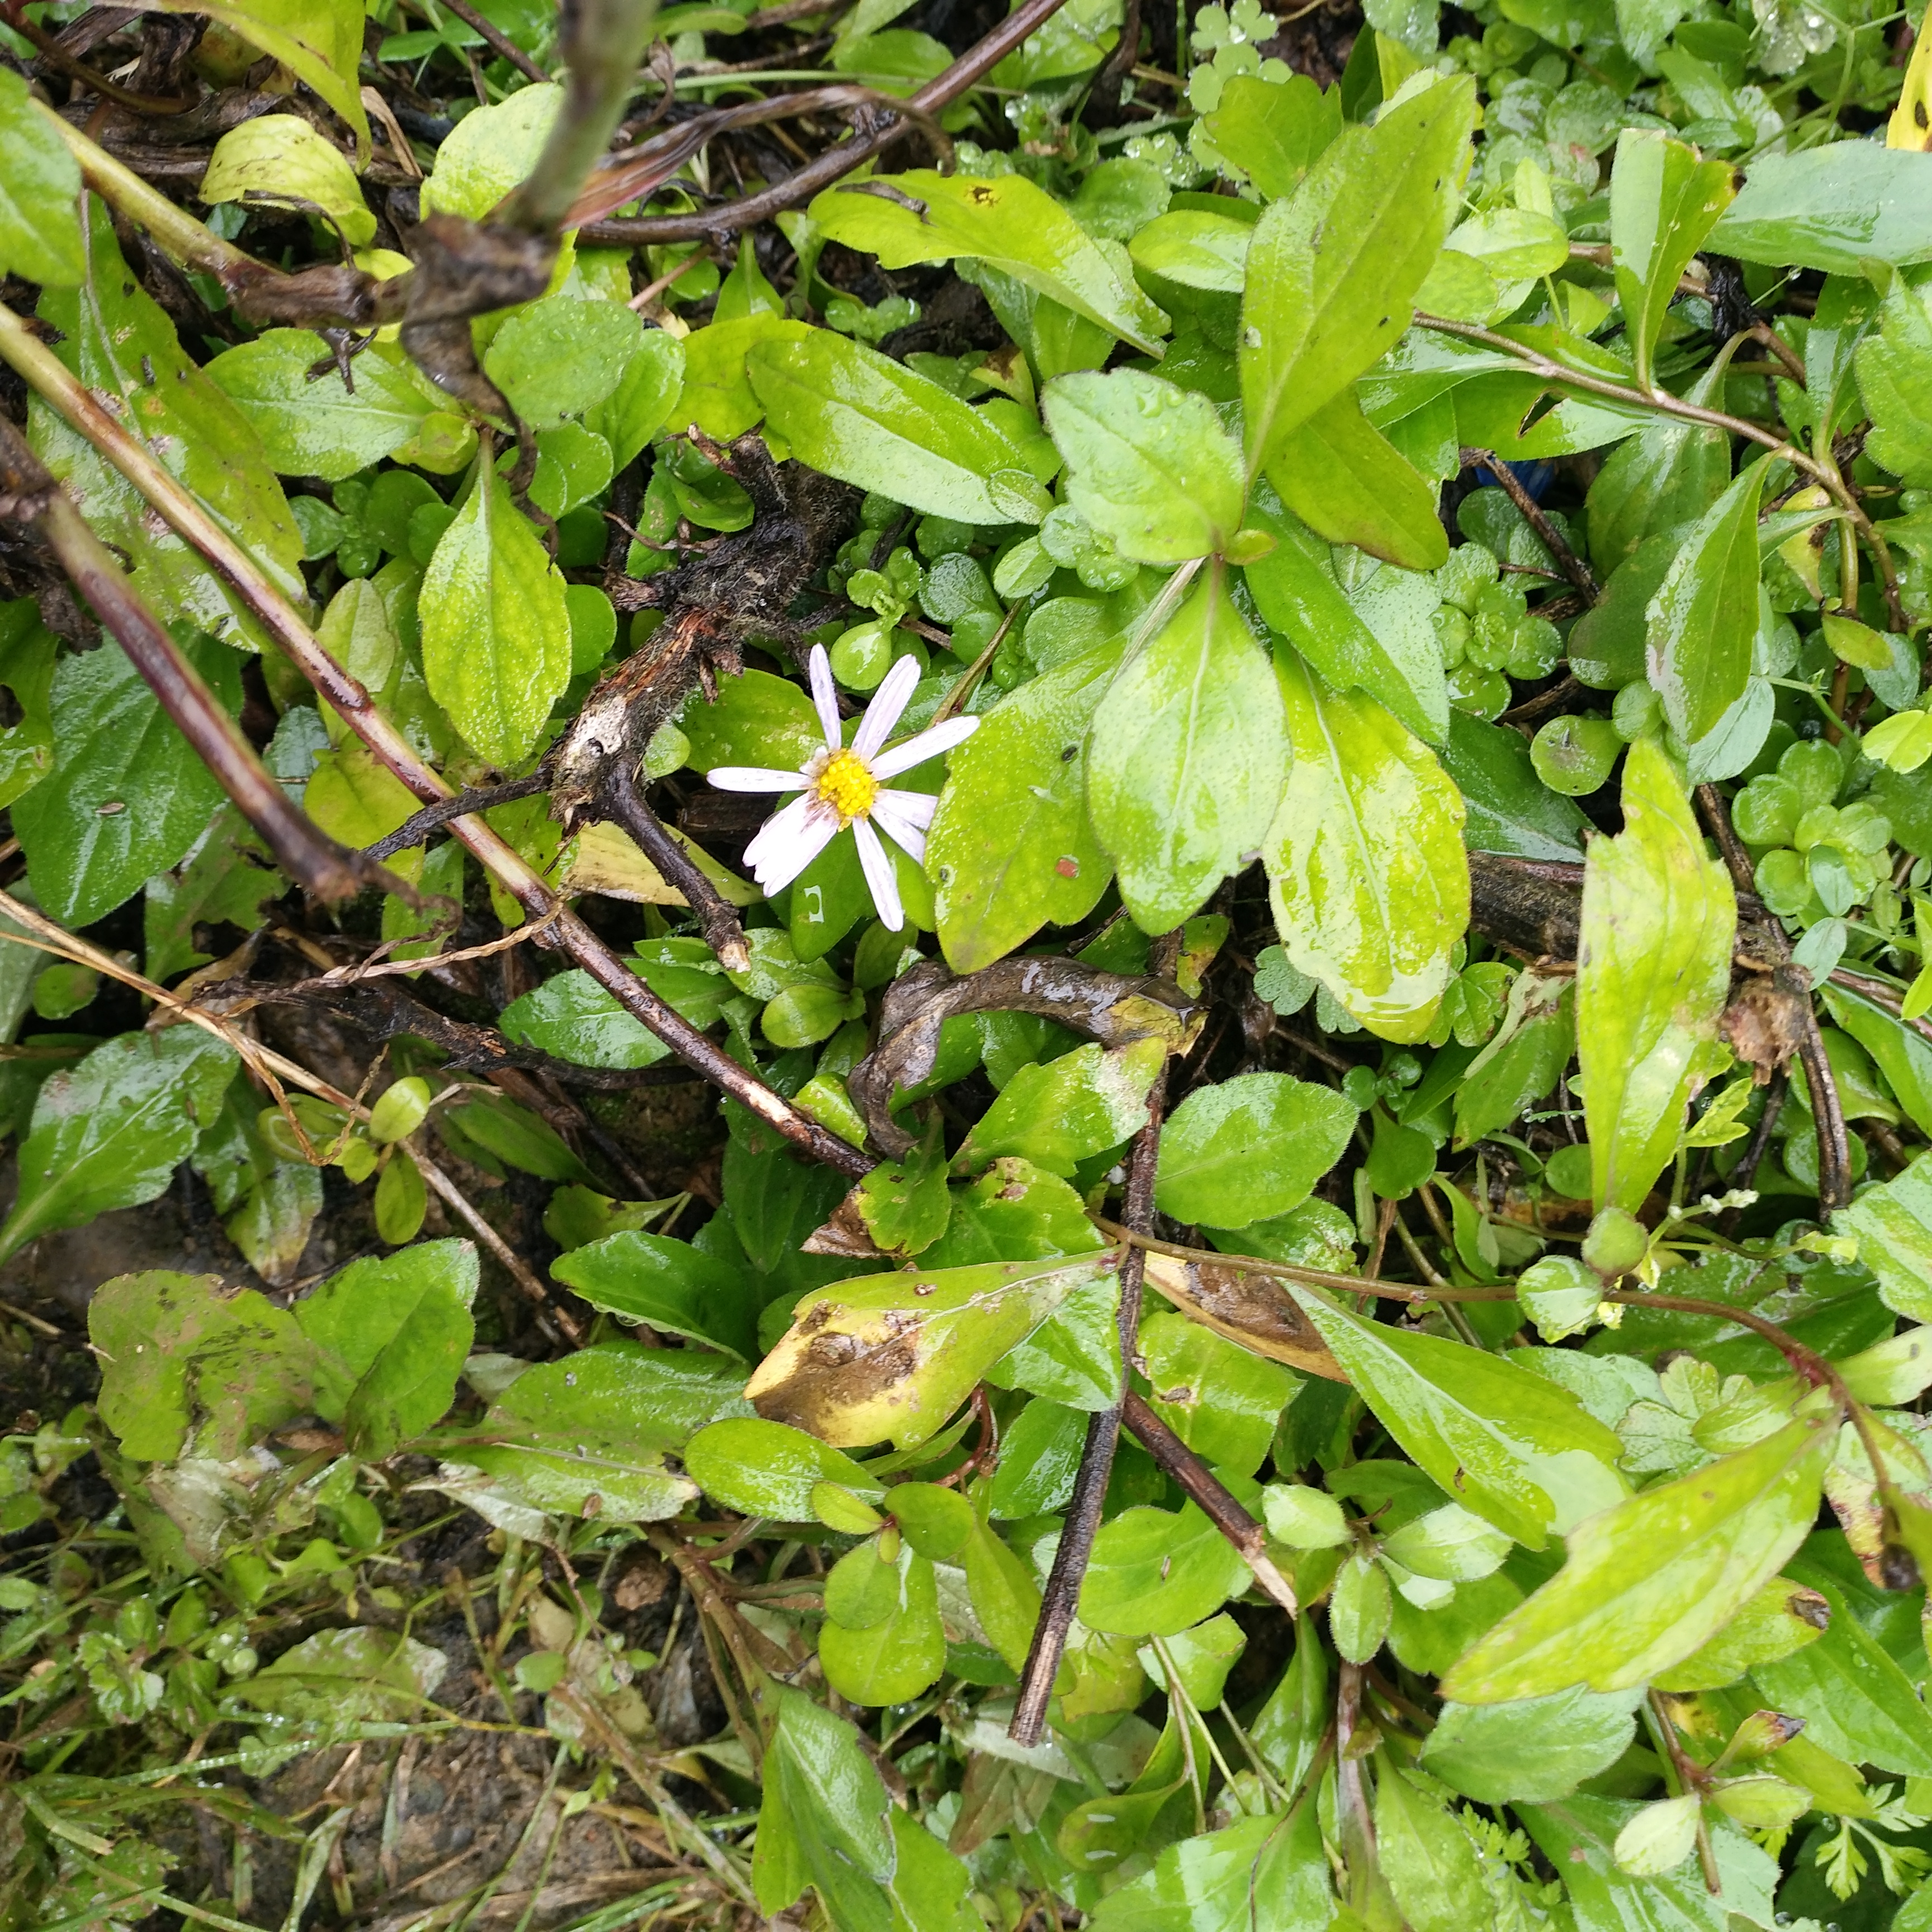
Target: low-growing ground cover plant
<point x="965" y="970"/>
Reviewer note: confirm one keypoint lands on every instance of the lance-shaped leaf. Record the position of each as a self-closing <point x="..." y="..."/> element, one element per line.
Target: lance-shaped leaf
<point x="1701" y="624"/>
<point x="1348" y="483"/>
<point x="862" y="417"/>
<point x="1008" y="222"/>
<point x="890" y="1356"/>
<point x="1656" y="1578"/>
<point x="1332" y="270"/>
<point x="1399" y="664"/>
<point x="1365" y="869"/>
<point x="1187" y="759"/>
<point x="1010" y="849"/>
<point x="1663" y="201"/>
<point x="1893" y="1223"/>
<point x="495" y="623"/>
<point x="1147" y="464"/>
<point x="39" y="235"/>
<point x="1894" y="369"/>
<point x="1834" y="208"/>
<point x="1510" y="1446"/>
<point x="1653" y="973"/>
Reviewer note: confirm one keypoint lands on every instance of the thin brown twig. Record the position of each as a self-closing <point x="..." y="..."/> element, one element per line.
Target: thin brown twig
<point x="1081" y="1522"/>
<point x="1834" y="1152"/>
<point x="1581" y="579"/>
<point x="498" y="42"/>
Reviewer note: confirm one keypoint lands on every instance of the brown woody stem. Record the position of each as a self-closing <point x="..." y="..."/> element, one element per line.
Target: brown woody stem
<point x="312" y="859"/>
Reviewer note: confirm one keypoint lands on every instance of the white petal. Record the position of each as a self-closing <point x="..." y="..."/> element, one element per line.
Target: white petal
<point x="755" y="778"/>
<point x="910" y="807"/>
<point x="878" y="866"/>
<point x="904" y="831"/>
<point x="825" y="696"/>
<point x="927" y="744"/>
<point x="789" y="841"/>
<point x="888" y="701"/>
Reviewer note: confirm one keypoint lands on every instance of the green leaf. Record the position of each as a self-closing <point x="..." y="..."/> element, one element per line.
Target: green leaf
<point x="1653" y="973"/>
<point x="189" y="1366"/>
<point x="668" y="1284"/>
<point x="641" y="403"/>
<point x="890" y="1356"/>
<point x="1655" y="1579"/>
<point x="1893" y="1222"/>
<point x="1533" y="1750"/>
<point x="1515" y="1450"/>
<point x="1400" y="665"/>
<point x="1855" y="1701"/>
<point x="1432" y="1866"/>
<point x="859" y="415"/>
<point x="901" y="1653"/>
<point x="904" y="1204"/>
<point x="767" y="1469"/>
<point x="280" y="160"/>
<point x="1333" y="268"/>
<point x="824" y="1819"/>
<point x="1221" y="1399"/>
<point x="489" y="152"/>
<point x="1154" y="1573"/>
<point x="1671" y="473"/>
<point x="1187" y="759"/>
<point x="1577" y="1837"/>
<point x="1275" y="130"/>
<point x="1010" y="849"/>
<point x="1148" y="465"/>
<point x="560" y="356"/>
<point x="1196" y="248"/>
<point x="1894" y="371"/>
<point x="1663" y="200"/>
<point x="1265" y="1873"/>
<point x="1903" y="1055"/>
<point x="1366" y="869"/>
<point x="1702" y="622"/>
<point x="1834" y="208"/>
<point x="110" y="1132"/>
<point x="402" y="1328"/>
<point x="1349" y="484"/>
<point x="341" y="1677"/>
<point x="571" y="1016"/>
<point x="126" y="797"/>
<point x="588" y="1435"/>
<point x="1250" y="1148"/>
<point x="318" y="41"/>
<point x="495" y="624"/>
<point x="1061" y="1113"/>
<point x="115" y="337"/>
<point x="39" y="235"/>
<point x="1006" y="222"/>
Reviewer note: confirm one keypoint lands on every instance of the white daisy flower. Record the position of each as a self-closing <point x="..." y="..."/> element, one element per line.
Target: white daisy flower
<point x="843" y="785"/>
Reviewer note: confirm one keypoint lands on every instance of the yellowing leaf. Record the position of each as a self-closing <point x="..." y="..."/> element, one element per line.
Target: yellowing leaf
<point x="1653" y="973"/>
<point x="1365" y="861"/>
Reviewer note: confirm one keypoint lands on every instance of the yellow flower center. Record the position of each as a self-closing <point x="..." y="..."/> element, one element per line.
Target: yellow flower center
<point x="847" y="785"/>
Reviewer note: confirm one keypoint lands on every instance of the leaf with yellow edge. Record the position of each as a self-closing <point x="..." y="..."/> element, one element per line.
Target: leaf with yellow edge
<point x="1653" y="973"/>
<point x="889" y="1357"/>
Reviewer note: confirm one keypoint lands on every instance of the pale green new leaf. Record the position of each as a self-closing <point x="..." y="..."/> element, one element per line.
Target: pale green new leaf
<point x="1653" y="973"/>
<point x="1894" y="371"/>
<point x="1893" y="1222"/>
<point x="1333" y="268"/>
<point x="280" y="161"/>
<point x="1365" y="862"/>
<point x="1656" y="1578"/>
<point x="1187" y="758"/>
<point x="495" y="623"/>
